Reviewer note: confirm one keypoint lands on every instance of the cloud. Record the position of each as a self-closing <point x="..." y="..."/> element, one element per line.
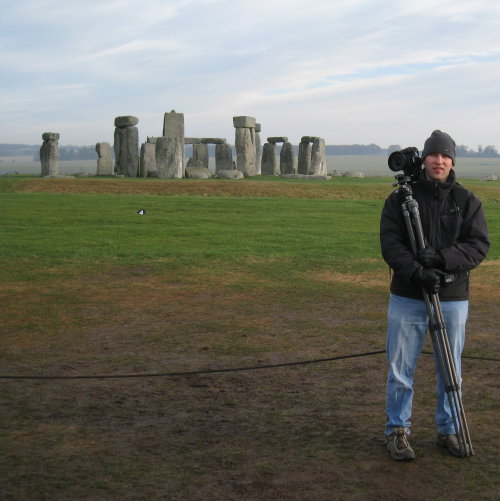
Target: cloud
<point x="350" y="70"/>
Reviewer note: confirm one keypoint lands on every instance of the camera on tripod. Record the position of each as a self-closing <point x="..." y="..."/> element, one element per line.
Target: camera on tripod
<point x="407" y="160"/>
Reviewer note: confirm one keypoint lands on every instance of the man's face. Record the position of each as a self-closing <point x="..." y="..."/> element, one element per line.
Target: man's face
<point x="437" y="167"/>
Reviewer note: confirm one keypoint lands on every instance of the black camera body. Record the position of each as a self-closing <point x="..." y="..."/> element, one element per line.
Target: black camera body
<point x="407" y="160"/>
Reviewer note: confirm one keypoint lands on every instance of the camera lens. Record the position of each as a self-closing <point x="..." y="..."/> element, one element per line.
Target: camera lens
<point x="396" y="161"/>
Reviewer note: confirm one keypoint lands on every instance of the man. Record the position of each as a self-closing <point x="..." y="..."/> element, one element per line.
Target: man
<point x="457" y="241"/>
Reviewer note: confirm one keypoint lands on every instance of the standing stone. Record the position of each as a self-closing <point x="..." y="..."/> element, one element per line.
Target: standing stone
<point x="258" y="149"/>
<point x="304" y="163"/>
<point x="287" y="159"/>
<point x="173" y="125"/>
<point x="270" y="165"/>
<point x="49" y="154"/>
<point x="126" y="146"/>
<point x="318" y="158"/>
<point x="223" y="157"/>
<point x="147" y="161"/>
<point x="105" y="160"/>
<point x="200" y="154"/>
<point x="169" y="155"/>
<point x="312" y="157"/>
<point x="245" y="145"/>
<point x="173" y="128"/>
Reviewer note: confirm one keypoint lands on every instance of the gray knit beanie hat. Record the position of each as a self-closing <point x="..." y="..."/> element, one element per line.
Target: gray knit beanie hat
<point x="439" y="142"/>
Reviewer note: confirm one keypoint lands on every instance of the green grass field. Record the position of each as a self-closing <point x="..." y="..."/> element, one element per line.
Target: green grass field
<point x="218" y="274"/>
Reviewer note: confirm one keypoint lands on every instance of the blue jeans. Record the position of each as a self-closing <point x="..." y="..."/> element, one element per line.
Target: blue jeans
<point x="407" y="325"/>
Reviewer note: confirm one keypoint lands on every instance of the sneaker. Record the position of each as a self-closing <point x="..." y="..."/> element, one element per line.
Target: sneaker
<point x="449" y="442"/>
<point x="399" y="446"/>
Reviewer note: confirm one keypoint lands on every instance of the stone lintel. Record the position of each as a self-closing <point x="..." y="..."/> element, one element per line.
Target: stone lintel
<point x="277" y="139"/>
<point x="126" y="121"/>
<point x="308" y="139"/>
<point x="213" y="140"/>
<point x="204" y="140"/>
<point x="244" y="121"/>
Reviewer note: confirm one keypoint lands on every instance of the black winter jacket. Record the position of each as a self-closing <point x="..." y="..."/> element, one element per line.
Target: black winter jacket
<point x="460" y="234"/>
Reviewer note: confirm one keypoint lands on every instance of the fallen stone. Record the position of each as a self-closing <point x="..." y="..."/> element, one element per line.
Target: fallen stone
<point x="198" y="173"/>
<point x="229" y="174"/>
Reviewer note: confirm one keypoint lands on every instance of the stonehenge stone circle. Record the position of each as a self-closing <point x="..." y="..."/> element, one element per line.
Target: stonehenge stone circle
<point x="105" y="159"/>
<point x="49" y="154"/>
<point x="164" y="156"/>
<point x="126" y="146"/>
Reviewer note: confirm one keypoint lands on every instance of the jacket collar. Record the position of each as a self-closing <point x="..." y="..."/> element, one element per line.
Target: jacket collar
<point x="435" y="188"/>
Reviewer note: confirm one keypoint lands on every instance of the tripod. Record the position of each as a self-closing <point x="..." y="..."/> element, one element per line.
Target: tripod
<point x="437" y="327"/>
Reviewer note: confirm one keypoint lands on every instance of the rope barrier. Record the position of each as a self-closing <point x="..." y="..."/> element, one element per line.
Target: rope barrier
<point x="218" y="371"/>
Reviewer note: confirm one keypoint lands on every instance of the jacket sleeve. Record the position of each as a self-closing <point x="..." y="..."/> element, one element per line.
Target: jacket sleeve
<point x="394" y="241"/>
<point x="472" y="244"/>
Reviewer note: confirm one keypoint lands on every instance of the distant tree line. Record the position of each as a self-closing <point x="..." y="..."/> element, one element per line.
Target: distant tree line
<point x="89" y="153"/>
<point x="372" y="149"/>
<point x="65" y="152"/>
<point x="461" y="150"/>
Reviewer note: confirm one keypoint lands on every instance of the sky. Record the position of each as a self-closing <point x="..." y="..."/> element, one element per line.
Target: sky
<point x="351" y="71"/>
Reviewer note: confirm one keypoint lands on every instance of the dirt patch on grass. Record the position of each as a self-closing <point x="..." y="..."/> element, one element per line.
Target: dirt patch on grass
<point x="211" y="187"/>
<point x="310" y="431"/>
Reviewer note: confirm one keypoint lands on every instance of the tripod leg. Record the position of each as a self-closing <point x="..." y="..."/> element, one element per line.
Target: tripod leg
<point x="447" y="370"/>
<point x="454" y="383"/>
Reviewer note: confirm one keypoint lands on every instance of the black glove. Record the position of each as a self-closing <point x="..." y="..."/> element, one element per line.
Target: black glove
<point x="430" y="258"/>
<point x="429" y="279"/>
